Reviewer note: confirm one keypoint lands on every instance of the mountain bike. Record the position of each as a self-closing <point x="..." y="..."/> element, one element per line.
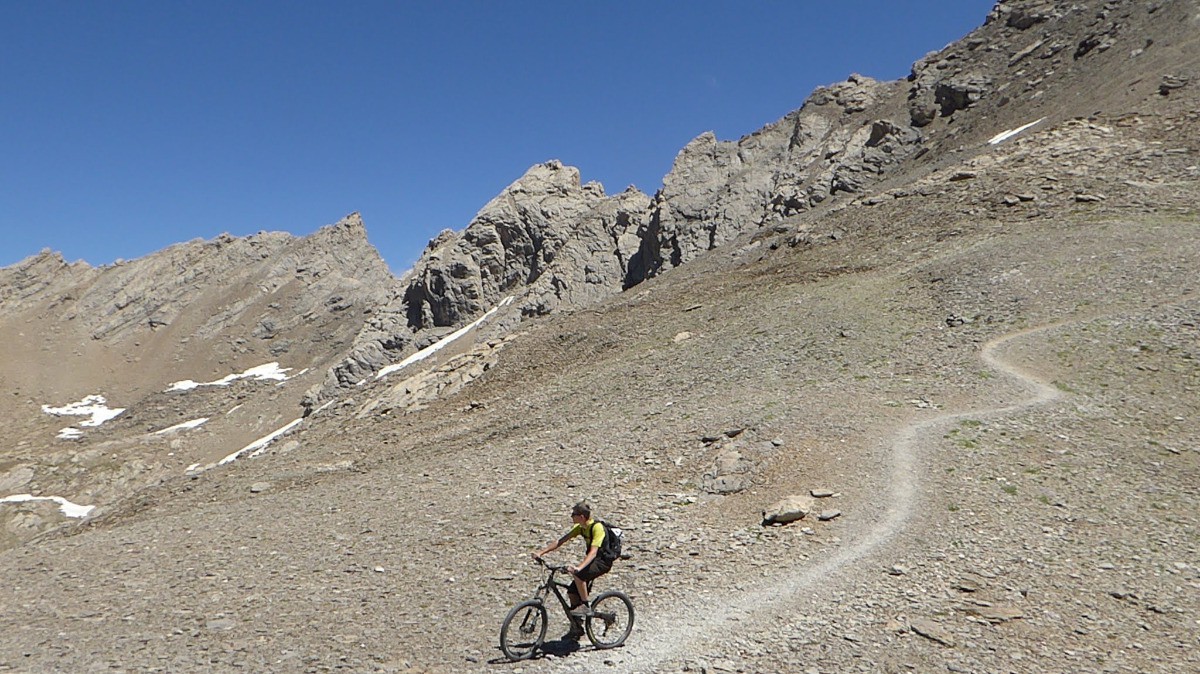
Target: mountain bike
<point x="524" y="628"/>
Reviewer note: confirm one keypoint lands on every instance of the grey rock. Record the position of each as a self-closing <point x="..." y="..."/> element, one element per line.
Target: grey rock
<point x="546" y="230"/>
<point x="960" y="92"/>
<point x="788" y="510"/>
<point x="730" y="473"/>
<point x="1171" y="83"/>
<point x="221" y="624"/>
<point x="933" y="631"/>
<point x="969" y="583"/>
<point x="550" y="241"/>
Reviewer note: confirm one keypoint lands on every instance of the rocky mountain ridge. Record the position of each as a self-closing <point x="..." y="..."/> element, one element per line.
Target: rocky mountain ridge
<point x="327" y="304"/>
<point x="562" y="245"/>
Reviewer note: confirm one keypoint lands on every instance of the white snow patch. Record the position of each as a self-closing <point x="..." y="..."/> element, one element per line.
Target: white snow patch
<point x="68" y="509"/>
<point x="260" y="444"/>
<point x="70" y="433"/>
<point x="269" y="371"/>
<point x="183" y="426"/>
<point x="1005" y="135"/>
<point x="93" y="406"/>
<point x="255" y="448"/>
<point x="444" y="342"/>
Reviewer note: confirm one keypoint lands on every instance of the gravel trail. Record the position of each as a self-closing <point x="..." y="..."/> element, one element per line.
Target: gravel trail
<point x="705" y="619"/>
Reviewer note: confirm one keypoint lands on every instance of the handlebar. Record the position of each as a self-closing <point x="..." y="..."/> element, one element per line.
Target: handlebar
<point x="552" y="567"/>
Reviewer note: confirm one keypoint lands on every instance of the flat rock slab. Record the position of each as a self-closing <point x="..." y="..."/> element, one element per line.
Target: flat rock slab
<point x="933" y="631"/>
<point x="995" y="614"/>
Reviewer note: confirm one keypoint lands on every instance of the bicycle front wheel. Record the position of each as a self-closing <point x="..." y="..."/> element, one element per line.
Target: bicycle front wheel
<point x="611" y="621"/>
<point x="524" y="630"/>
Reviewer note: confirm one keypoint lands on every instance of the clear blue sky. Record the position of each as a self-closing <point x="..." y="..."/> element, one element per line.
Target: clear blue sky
<point x="128" y="126"/>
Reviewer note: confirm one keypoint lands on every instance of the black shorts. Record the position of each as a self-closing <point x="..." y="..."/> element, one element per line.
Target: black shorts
<point x="592" y="571"/>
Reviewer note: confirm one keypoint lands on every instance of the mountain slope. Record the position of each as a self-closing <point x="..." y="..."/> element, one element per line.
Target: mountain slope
<point x="986" y="351"/>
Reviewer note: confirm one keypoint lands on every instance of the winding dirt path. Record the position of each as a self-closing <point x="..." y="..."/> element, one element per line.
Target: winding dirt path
<point x="705" y="618"/>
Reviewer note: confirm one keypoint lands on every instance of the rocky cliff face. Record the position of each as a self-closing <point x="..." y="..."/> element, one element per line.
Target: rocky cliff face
<point x="839" y="142"/>
<point x="122" y="334"/>
<point x="547" y="240"/>
<point x="546" y="236"/>
<point x="1024" y="63"/>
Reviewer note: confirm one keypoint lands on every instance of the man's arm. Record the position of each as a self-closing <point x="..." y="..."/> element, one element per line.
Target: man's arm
<point x="553" y="546"/>
<point x="591" y="554"/>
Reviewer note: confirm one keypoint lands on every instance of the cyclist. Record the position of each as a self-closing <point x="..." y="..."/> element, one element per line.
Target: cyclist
<point x="591" y="568"/>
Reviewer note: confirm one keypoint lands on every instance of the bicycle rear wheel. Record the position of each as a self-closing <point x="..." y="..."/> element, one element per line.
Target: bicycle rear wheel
<point x="524" y="630"/>
<point x="611" y="621"/>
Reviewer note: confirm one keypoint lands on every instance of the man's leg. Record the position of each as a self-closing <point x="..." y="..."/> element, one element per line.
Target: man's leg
<point x="581" y="589"/>
<point x="584" y="578"/>
<point x="573" y="602"/>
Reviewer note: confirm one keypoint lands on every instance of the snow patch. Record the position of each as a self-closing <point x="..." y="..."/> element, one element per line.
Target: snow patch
<point x="255" y="448"/>
<point x="94" y="406"/>
<point x="183" y="426"/>
<point x="1005" y="135"/>
<point x="67" y="508"/>
<point x="444" y="342"/>
<point x="269" y="371"/>
<point x="260" y="444"/>
<point x="69" y="433"/>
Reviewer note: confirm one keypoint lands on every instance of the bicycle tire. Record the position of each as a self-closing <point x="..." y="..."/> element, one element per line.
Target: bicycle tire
<point x="523" y="630"/>
<point x="611" y="620"/>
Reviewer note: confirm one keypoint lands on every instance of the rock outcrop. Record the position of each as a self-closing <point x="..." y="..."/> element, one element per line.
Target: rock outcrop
<point x="547" y="239"/>
<point x="717" y="191"/>
<point x="564" y="242"/>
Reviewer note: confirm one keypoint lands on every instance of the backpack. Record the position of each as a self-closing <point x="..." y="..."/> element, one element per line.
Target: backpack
<point x="610" y="549"/>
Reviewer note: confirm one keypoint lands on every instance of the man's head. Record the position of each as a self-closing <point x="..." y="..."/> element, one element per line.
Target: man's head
<point x="582" y="509"/>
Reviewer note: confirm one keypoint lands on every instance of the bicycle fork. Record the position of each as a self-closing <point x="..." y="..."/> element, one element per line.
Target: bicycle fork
<point x="529" y="624"/>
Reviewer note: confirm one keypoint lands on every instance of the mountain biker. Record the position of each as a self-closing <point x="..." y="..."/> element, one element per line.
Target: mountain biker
<point x="591" y="568"/>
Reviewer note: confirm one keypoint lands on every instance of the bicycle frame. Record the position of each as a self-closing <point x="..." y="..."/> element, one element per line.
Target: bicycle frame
<point x="557" y="587"/>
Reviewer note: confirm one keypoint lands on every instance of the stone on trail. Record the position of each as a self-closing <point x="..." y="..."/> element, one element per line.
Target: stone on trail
<point x="788" y="510"/>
